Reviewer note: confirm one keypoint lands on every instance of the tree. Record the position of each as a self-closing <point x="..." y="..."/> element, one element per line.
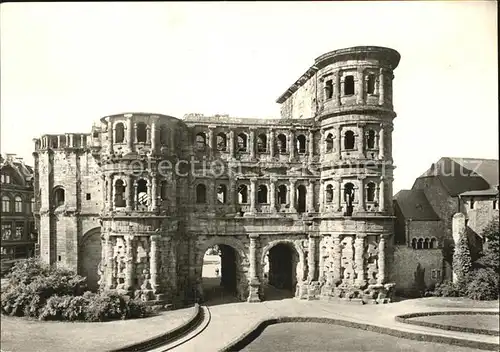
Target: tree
<point x="462" y="259"/>
<point x="490" y="257"/>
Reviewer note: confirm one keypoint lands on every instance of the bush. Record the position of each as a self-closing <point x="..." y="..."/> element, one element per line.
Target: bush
<point x="484" y="285"/>
<point x="36" y="290"/>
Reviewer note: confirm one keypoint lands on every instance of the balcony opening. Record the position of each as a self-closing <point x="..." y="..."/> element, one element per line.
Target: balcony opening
<point x="329" y="194"/>
<point x="221" y="142"/>
<point x="370" y="139"/>
<point x="349" y="85"/>
<point x="119" y="194"/>
<point x="329" y="143"/>
<point x="201" y="141"/>
<point x="262" y="194"/>
<point x="301" y="144"/>
<point x="141" y="132"/>
<point x="281" y="141"/>
<point x="262" y="143"/>
<point x="163" y="135"/>
<point x="142" y="192"/>
<point x="370" y="192"/>
<point x="301" y="198"/>
<point x="349" y="140"/>
<point x="328" y="89"/>
<point x="370" y="84"/>
<point x="242" y="142"/>
<point x="349" y="198"/>
<point x="221" y="194"/>
<point x="282" y="191"/>
<point x="242" y="194"/>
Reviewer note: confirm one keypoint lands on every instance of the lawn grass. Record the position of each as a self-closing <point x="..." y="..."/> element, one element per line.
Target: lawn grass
<point x="479" y="321"/>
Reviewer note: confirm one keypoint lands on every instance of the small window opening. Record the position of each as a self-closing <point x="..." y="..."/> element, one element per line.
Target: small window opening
<point x="433" y="243"/>
<point x="370" y="139"/>
<point x="95" y="134"/>
<point x="414" y="243"/>
<point x="222" y="194"/>
<point x="370" y="192"/>
<point x="163" y="135"/>
<point x="495" y="205"/>
<point x="142" y="192"/>
<point x="301" y="144"/>
<point x="119" y="193"/>
<point x="141" y="132"/>
<point x="329" y="142"/>
<point x="88" y="196"/>
<point x="349" y="85"/>
<point x="243" y="194"/>
<point x="201" y="194"/>
<point x="420" y="243"/>
<point x="200" y="141"/>
<point x="329" y="194"/>
<point x="370" y="84"/>
<point x="242" y="142"/>
<point x="472" y="201"/>
<point x="262" y="143"/>
<point x="221" y="142"/>
<point x="281" y="140"/>
<point x="262" y="194"/>
<point x="59" y="197"/>
<point x="328" y="89"/>
<point x="282" y="194"/>
<point x="349" y="198"/>
<point x="349" y="140"/>
<point x="119" y="133"/>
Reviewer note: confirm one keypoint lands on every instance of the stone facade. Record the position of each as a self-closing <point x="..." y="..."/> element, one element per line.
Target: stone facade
<point x="135" y="204"/>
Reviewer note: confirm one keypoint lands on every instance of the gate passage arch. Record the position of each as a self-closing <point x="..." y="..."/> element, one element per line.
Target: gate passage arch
<point x="89" y="257"/>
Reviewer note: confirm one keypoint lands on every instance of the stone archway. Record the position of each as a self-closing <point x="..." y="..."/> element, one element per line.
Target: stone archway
<point x="234" y="264"/>
<point x="284" y="261"/>
<point x="89" y="257"/>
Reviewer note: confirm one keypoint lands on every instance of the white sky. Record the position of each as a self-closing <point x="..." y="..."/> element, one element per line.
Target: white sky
<point x="64" y="66"/>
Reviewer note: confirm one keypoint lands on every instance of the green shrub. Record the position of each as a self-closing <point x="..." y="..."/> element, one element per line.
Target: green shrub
<point x="70" y="308"/>
<point x="449" y="289"/>
<point x="110" y="305"/>
<point x="462" y="259"/>
<point x="483" y="285"/>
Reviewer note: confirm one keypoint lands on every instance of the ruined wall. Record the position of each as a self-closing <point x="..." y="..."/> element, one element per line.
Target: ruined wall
<point x="482" y="213"/>
<point x="302" y="103"/>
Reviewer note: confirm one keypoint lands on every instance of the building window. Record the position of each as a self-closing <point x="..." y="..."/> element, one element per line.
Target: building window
<point x="329" y="194"/>
<point x="5" y="204"/>
<point x="59" y="197"/>
<point x="119" y="133"/>
<point x="200" y="141"/>
<point x="471" y="203"/>
<point x="420" y="243"/>
<point x="349" y="85"/>
<point x="370" y="84"/>
<point x="242" y="142"/>
<point x="282" y="194"/>
<point x="262" y="194"/>
<point x="141" y="132"/>
<point x="142" y="192"/>
<point x="18" y="204"/>
<point x="163" y="135"/>
<point x="436" y="274"/>
<point x="6" y="232"/>
<point x="222" y="194"/>
<point x="414" y="243"/>
<point x="119" y="193"/>
<point x="163" y="190"/>
<point x="433" y="243"/>
<point x="281" y="143"/>
<point x="243" y="194"/>
<point x="495" y="205"/>
<point x="95" y="134"/>
<point x="329" y="143"/>
<point x="262" y="143"/>
<point x="301" y="144"/>
<point x="370" y="139"/>
<point x="349" y="198"/>
<point x="201" y="194"/>
<point x="221" y="142"/>
<point x="19" y="234"/>
<point x="328" y="89"/>
<point x="349" y="140"/>
<point x="370" y="192"/>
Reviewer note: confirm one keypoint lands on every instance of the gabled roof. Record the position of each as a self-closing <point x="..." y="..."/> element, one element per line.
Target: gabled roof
<point x="23" y="173"/>
<point x="459" y="175"/>
<point x="414" y="205"/>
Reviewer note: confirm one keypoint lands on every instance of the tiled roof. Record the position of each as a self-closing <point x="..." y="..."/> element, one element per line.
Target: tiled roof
<point x="414" y="205"/>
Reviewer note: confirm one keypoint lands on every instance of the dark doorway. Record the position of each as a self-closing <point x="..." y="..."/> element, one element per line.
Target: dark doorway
<point x="281" y="272"/>
<point x="301" y="198"/>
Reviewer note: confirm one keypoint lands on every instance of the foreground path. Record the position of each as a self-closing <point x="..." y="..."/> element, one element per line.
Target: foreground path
<point x="229" y="321"/>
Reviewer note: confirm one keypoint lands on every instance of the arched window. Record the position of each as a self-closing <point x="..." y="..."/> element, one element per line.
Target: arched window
<point x="414" y="243"/>
<point x="281" y="141"/>
<point x="221" y="142"/>
<point x="329" y="142"/>
<point x="201" y="141"/>
<point x="301" y="144"/>
<point x="349" y="85"/>
<point x="328" y="89"/>
<point x="262" y="194"/>
<point x="282" y="194"/>
<point x="420" y="243"/>
<point x="164" y="190"/>
<point x="201" y="194"/>
<point x="349" y="140"/>
<point x="370" y="84"/>
<point x="329" y="194"/>
<point x="142" y="192"/>
<point x="433" y="243"/>
<point x="119" y="193"/>
<point x="243" y="194"/>
<point x="119" y="133"/>
<point x="5" y="204"/>
<point x="222" y="194"/>
<point x="370" y="192"/>
<point x="301" y="198"/>
<point x="54" y="142"/>
<point x="426" y="243"/>
<point x="349" y="198"/>
<point x="59" y="197"/>
<point x="141" y="132"/>
<point x="242" y="142"/>
<point x="370" y="139"/>
<point x="262" y="143"/>
<point x="163" y="135"/>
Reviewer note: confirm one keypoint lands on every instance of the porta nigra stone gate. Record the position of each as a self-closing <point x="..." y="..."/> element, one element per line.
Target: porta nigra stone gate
<point x="134" y="204"/>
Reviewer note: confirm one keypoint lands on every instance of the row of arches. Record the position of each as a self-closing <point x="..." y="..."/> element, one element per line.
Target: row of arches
<point x="350" y="140"/>
<point x="16" y="204"/>
<point x="424" y="243"/>
<point x="141" y="133"/>
<point x="347" y="85"/>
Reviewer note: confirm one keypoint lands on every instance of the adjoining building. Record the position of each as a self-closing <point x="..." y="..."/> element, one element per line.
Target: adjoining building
<point x="424" y="216"/>
<point x="135" y="203"/>
<point x="19" y="235"/>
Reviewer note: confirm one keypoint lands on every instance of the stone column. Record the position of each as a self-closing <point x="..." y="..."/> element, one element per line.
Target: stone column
<point x="153" y="137"/>
<point x="322" y="196"/>
<point x="103" y="192"/>
<point x="232" y="194"/>
<point x="253" y="188"/>
<point x="359" y="249"/>
<point x="130" y="134"/>
<point x="251" y="144"/>
<point x="136" y="195"/>
<point x="254" y="283"/>
<point x="291" y="144"/>
<point x="336" y="88"/>
<point x="134" y="137"/>
<point x="59" y="141"/>
<point x="310" y="197"/>
<point x="110" y="191"/>
<point x="381" y="260"/>
<point x="272" y="198"/>
<point x="382" y="194"/>
<point x="338" y="189"/>
<point x="311" y="144"/>
<point x="154" y="192"/>
<point x="361" y="139"/>
<point x="381" y="93"/>
<point x="153" y="263"/>
<point x="360" y="97"/>
<point x="322" y="145"/>
<point x="338" y="136"/>
<point x="149" y="193"/>
<point x="292" y="196"/>
<point x="211" y="141"/>
<point x="129" y="268"/>
<point x="337" y="258"/>
<point x="381" y="149"/>
<point x="271" y="143"/>
<point x="231" y="144"/>
<point x="361" y="193"/>
<point x="128" y="194"/>
<point x="110" y="137"/>
<point x="148" y="134"/>
<point x="109" y="261"/>
<point x="311" y="259"/>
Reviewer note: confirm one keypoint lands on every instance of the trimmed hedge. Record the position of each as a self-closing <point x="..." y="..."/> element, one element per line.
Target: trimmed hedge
<point x="39" y="291"/>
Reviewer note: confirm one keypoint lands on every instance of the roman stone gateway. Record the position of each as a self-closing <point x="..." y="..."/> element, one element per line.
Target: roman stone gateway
<point x="309" y="193"/>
